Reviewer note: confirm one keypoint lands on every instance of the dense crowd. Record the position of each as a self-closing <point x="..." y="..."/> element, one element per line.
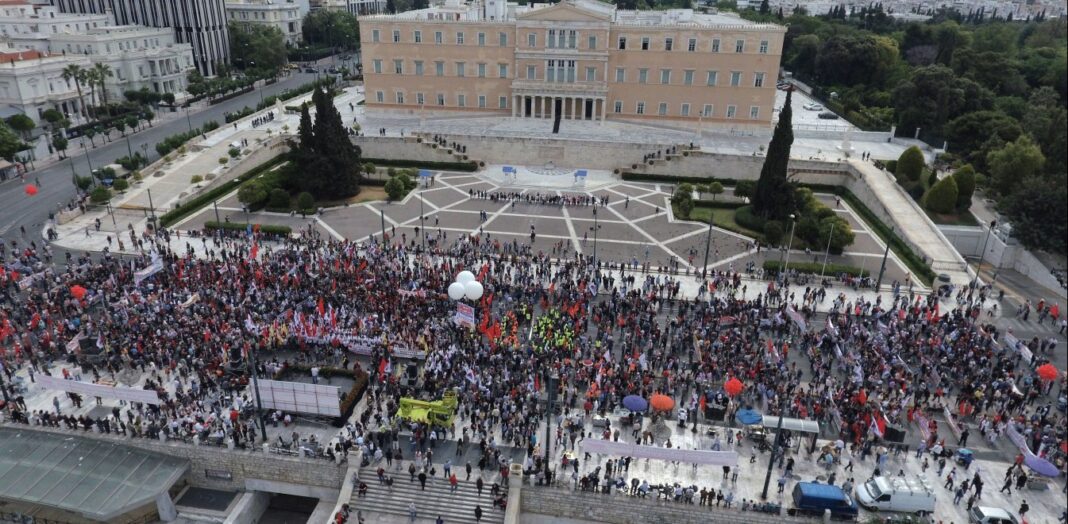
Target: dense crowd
<point x="601" y="333"/>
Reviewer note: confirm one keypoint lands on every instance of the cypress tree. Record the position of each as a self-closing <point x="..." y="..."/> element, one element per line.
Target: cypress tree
<point x="774" y="197"/>
<point x="324" y="163"/>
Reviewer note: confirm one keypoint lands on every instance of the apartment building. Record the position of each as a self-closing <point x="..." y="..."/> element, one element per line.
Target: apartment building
<point x="581" y="59"/>
<point x="285" y="15"/>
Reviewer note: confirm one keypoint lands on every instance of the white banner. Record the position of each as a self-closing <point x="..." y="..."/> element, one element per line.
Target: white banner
<point x="465" y="315"/>
<point x="364" y="345"/>
<point x="689" y="456"/>
<point x="797" y="318"/>
<point x="155" y="267"/>
<point x="145" y="396"/>
<point x="300" y="397"/>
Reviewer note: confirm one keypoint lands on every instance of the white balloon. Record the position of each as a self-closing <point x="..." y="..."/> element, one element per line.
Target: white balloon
<point x="473" y="290"/>
<point x="456" y="291"/>
<point x="465" y="276"/>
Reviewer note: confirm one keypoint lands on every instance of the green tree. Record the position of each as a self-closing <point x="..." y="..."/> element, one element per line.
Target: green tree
<point x="973" y="134"/>
<point x="838" y="230"/>
<point x="101" y="73"/>
<point x="120" y="184"/>
<point x="253" y="194"/>
<point x="1013" y="163"/>
<point x="715" y="188"/>
<point x="745" y="189"/>
<point x="257" y="48"/>
<point x="683" y="199"/>
<point x="910" y="164"/>
<point x="965" y="179"/>
<point x="935" y="95"/>
<point x="23" y="124"/>
<point x="279" y="198"/>
<point x="76" y="73"/>
<point x="305" y="201"/>
<point x="9" y="142"/>
<point x="83" y="182"/>
<point x="1036" y="211"/>
<point x="395" y="189"/>
<point x="61" y="143"/>
<point x="942" y="198"/>
<point x="773" y="197"/>
<point x="764" y="8"/>
<point x="100" y="194"/>
<point x="325" y="162"/>
<point x="773" y="232"/>
<point x="55" y="119"/>
<point x="337" y="29"/>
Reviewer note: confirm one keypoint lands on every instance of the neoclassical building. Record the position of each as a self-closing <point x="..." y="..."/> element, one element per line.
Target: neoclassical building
<point x="581" y="59"/>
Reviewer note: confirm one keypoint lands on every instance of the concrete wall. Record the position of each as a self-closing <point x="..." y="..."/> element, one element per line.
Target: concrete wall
<point x="406" y="148"/>
<point x="249" y="508"/>
<point x="968" y="240"/>
<point x="560" y="505"/>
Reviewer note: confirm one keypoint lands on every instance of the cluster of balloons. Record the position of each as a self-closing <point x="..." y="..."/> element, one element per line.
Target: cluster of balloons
<point x="465" y="287"/>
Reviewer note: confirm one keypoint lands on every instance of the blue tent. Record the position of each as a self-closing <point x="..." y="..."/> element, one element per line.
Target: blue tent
<point x="748" y="417"/>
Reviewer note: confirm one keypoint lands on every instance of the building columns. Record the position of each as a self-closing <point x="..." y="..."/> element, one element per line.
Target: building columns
<point x="604" y="109"/>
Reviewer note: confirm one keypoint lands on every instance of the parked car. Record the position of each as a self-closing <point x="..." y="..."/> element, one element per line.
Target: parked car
<point x="905" y="495"/>
<point x="811" y="498"/>
<point x="309" y="70"/>
<point x="827" y="115"/>
<point x="812" y="106"/>
<point x="989" y="515"/>
<point x="783" y="86"/>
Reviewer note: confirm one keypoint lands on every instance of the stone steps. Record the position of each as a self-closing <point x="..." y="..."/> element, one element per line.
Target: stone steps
<point x="437" y="499"/>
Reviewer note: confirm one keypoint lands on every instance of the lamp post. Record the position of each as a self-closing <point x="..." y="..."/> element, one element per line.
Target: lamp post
<point x="215" y="204"/>
<point x="253" y="370"/>
<point x="129" y="150"/>
<point x="188" y="121"/>
<point x="151" y="208"/>
<point x="789" y="246"/>
<point x="828" y="251"/>
<point x="708" y="244"/>
<point x="775" y="447"/>
<point x="882" y="267"/>
<point x="422" y="222"/>
<point x="552" y="382"/>
<point x="88" y="161"/>
<point x="979" y="267"/>
<point x="382" y="216"/>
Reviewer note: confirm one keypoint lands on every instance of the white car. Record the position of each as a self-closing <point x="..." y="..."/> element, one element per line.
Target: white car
<point x="899" y="494"/>
<point x="989" y="515"/>
<point x="812" y="106"/>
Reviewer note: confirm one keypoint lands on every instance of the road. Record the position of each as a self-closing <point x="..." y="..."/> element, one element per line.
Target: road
<point x="20" y="210"/>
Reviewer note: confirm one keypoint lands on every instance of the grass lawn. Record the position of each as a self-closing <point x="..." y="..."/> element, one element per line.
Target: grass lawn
<point x="366" y="194"/>
<point x="721" y="217"/>
<point x="962" y="219"/>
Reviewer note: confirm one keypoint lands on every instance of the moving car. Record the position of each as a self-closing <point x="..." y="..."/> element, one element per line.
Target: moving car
<point x="827" y="115"/>
<point x="811" y="498"/>
<point x="812" y="106"/>
<point x="989" y="515"/>
<point x="905" y="495"/>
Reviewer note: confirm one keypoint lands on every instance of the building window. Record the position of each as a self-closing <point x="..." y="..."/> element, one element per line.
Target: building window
<point x="736" y="78"/>
<point x="715" y="45"/>
<point x="374" y="35"/>
<point x="621" y="75"/>
<point x="662" y="109"/>
<point x="684" y="110"/>
<point x="665" y="76"/>
<point x="711" y="80"/>
<point x="419" y="99"/>
<point x="398" y="67"/>
<point x="502" y="102"/>
<point x="460" y="66"/>
<point x="459" y="38"/>
<point x="419" y="68"/>
<point x="531" y="72"/>
<point x="572" y="39"/>
<point x="617" y="107"/>
<point x="532" y="40"/>
<point x="482" y="101"/>
<point x="706" y="110"/>
<point x="591" y="42"/>
<point x="691" y="46"/>
<point x="640" y="108"/>
<point x="482" y="70"/>
<point x="754" y="112"/>
<point x="591" y="74"/>
<point x="731" y="110"/>
<point x="441" y="99"/>
<point x="669" y="43"/>
<point x="502" y="39"/>
<point x="439" y="68"/>
<point x="380" y="97"/>
<point x="643" y="76"/>
<point x="396" y="36"/>
<point x="461" y="100"/>
<point x="758" y="80"/>
<point x="687" y="77"/>
<point x="502" y="70"/>
<point x="400" y="97"/>
<point x="763" y="47"/>
<point x="645" y="43"/>
<point x="739" y="46"/>
<point x="482" y="40"/>
<point x="551" y="40"/>
<point x="438" y="39"/>
<point x="376" y="66"/>
<point x="417" y="37"/>
<point x="622" y="43"/>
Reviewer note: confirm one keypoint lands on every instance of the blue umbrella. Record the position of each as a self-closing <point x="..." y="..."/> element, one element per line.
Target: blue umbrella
<point x="748" y="417"/>
<point x="635" y="403"/>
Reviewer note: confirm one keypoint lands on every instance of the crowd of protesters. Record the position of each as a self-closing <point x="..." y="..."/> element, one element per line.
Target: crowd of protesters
<point x="602" y="332"/>
<point x="543" y="199"/>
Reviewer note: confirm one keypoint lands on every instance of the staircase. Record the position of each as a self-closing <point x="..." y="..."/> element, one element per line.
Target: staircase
<point x="437" y="499"/>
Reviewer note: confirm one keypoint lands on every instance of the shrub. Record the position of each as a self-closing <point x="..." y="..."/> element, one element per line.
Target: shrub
<point x="744" y="217"/>
<point x="223" y="160"/>
<point x="120" y="184"/>
<point x="715" y="188"/>
<point x="270" y="229"/>
<point x="196" y="179"/>
<point x="838" y="231"/>
<point x="745" y="189"/>
<point x="772" y="231"/>
<point x="234" y="152"/>
<point x="891" y="166"/>
<point x="253" y="194"/>
<point x="683" y="199"/>
<point x="100" y="194"/>
<point x="435" y="166"/>
<point x="305" y="201"/>
<point x="910" y="164"/>
<point x="965" y="179"/>
<point x="83" y="182"/>
<point x="395" y="189"/>
<point x="183" y="210"/>
<point x="932" y="178"/>
<point x="279" y="198"/>
<point x="942" y="198"/>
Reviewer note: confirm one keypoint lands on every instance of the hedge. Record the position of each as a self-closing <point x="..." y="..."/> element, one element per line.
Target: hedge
<point x="418" y="164"/>
<point x="914" y="262"/>
<point x="270" y="229"/>
<point x="194" y="204"/>
<point x="631" y="176"/>
<point x="772" y="267"/>
<point x="719" y="204"/>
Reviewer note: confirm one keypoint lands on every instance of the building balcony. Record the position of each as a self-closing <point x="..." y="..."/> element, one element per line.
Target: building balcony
<point x="541" y="87"/>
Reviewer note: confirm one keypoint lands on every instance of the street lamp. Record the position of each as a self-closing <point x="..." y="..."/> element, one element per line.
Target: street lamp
<point x="882" y="267"/>
<point x="828" y="251"/>
<point x="254" y="368"/>
<point x="775" y="447"/>
<point x="708" y="244"/>
<point x="551" y="382"/>
<point x="978" y="268"/>
<point x="789" y="246"/>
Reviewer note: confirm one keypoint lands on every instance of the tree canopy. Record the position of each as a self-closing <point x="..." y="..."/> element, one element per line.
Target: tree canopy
<point x="331" y="29"/>
<point x="9" y="142"/>
<point x="773" y="199"/>
<point x="324" y="163"/>
<point x="257" y="47"/>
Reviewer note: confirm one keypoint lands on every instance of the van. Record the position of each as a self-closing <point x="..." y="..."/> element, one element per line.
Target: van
<point x="988" y="515"/>
<point x="904" y="495"/>
<point x="811" y="498"/>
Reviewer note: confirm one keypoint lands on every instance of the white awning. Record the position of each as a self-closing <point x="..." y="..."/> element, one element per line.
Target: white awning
<point x="792" y="424"/>
<point x="694" y="456"/>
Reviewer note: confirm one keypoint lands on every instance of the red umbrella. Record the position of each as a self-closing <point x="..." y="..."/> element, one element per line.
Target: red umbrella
<point x="733" y="386"/>
<point x="661" y="402"/>
<point x="31" y="189"/>
<point x="77" y="291"/>
<point x="1047" y="372"/>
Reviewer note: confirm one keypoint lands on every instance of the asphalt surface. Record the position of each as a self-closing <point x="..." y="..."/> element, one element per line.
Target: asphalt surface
<point x="17" y="209"/>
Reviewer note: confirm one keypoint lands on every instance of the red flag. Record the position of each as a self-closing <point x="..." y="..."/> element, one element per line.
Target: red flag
<point x="255" y="249"/>
<point x="322" y="307"/>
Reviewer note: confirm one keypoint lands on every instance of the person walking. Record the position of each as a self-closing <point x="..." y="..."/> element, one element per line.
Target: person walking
<point x="467" y="468"/>
<point x="478" y="513"/>
<point x="478" y="486"/>
<point x="422" y="481"/>
<point x="453" y="483"/>
<point x="1023" y="509"/>
<point x="411" y="512"/>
